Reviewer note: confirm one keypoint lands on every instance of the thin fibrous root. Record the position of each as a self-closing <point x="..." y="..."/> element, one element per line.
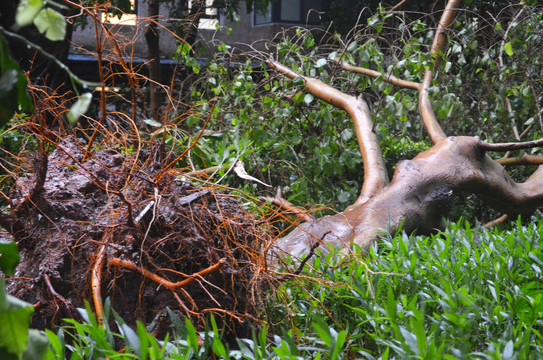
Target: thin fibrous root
<point x="127" y="264"/>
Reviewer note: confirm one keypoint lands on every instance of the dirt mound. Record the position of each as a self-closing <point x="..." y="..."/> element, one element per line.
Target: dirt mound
<point x="103" y="227"/>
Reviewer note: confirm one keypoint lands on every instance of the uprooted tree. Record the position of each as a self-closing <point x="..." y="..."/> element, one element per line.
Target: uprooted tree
<point x="421" y="191"/>
<point x="122" y="212"/>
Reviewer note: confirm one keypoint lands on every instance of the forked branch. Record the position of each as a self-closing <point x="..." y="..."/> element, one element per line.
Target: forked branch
<point x="375" y="176"/>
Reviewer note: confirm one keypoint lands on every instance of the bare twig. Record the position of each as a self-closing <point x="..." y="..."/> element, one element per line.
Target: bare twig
<point x="391" y="79"/>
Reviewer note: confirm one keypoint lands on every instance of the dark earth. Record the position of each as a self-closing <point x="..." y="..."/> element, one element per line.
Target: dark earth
<point x="70" y="207"/>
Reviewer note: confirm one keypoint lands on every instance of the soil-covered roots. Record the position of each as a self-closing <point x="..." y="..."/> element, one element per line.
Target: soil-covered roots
<point x="92" y="227"/>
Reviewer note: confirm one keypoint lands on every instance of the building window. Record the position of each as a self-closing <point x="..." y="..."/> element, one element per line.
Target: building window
<point x="209" y="20"/>
<point x="116" y="16"/>
<point x="307" y="12"/>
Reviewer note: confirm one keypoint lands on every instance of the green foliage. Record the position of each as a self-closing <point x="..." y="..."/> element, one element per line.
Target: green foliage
<point x="9" y="257"/>
<point x="309" y="147"/>
<point x="79" y="108"/>
<point x="13" y="93"/>
<point x="17" y="341"/>
<point x="48" y="21"/>
<point x="463" y="293"/>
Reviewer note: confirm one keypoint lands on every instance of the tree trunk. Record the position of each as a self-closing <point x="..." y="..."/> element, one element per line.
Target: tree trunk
<point x="153" y="51"/>
<point x="420" y="195"/>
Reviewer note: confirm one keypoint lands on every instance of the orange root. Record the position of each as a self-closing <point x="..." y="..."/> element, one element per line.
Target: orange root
<point x="127" y="264"/>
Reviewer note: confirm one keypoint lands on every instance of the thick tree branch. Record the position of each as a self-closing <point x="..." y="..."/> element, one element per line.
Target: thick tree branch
<point x="375" y="176"/>
<point x="426" y="111"/>
<point x="522" y="160"/>
<point x="425" y="105"/>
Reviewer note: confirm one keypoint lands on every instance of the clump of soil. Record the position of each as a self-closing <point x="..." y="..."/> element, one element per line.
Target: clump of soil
<point x="72" y="213"/>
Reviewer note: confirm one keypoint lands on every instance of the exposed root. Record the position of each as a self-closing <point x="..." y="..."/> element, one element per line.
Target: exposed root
<point x="97" y="283"/>
<point x="497" y="221"/>
<point x="127" y="264"/>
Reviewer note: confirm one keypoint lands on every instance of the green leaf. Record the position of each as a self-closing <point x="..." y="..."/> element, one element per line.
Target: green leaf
<point x="410" y="340"/>
<point x="131" y="337"/>
<point x="27" y="11"/>
<point x="52" y="24"/>
<point x="8" y="80"/>
<point x="508" y="350"/>
<point x="9" y="257"/>
<point x="321" y="62"/>
<point x="323" y="331"/>
<point x="508" y="49"/>
<point x="12" y="97"/>
<point x="79" y="107"/>
<point x="37" y="345"/>
<point x="152" y="123"/>
<point x="308" y="98"/>
<point x="14" y="321"/>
